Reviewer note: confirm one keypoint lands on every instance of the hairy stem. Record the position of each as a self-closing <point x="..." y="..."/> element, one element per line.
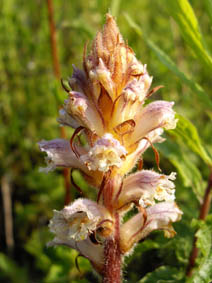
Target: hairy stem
<point x="112" y="254"/>
<point x="57" y="73"/>
<point x="205" y="207"/>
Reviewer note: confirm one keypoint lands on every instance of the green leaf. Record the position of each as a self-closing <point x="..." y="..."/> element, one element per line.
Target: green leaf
<point x="36" y="245"/>
<point x="163" y="274"/>
<point x="184" y="16"/>
<point x="189" y="173"/>
<point x="167" y="61"/>
<point x="203" y="272"/>
<point x="208" y="5"/>
<point x="12" y="271"/>
<point x="188" y="134"/>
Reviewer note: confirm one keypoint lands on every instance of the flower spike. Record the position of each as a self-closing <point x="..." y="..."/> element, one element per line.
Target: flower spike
<point x="106" y="104"/>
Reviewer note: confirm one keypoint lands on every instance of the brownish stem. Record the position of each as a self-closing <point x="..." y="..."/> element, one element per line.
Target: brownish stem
<point x="112" y="256"/>
<point x="57" y="73"/>
<point x="8" y="215"/>
<point x="205" y="207"/>
<point x="53" y="39"/>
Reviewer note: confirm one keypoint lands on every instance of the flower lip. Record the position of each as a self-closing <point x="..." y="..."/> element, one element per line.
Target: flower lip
<point x="147" y="186"/>
<point x="105" y="153"/>
<point x="78" y="220"/>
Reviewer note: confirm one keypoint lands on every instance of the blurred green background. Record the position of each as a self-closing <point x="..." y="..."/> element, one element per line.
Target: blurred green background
<point x="29" y="100"/>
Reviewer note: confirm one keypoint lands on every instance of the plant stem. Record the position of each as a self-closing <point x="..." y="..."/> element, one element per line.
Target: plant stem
<point x="112" y="254"/>
<point x="8" y="214"/>
<point x="57" y="73"/>
<point x="56" y="64"/>
<point x="205" y="207"/>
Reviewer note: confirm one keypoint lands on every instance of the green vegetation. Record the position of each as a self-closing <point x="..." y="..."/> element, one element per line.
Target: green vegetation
<point x="174" y="39"/>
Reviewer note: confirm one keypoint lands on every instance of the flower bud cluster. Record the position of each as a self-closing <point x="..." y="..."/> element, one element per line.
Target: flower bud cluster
<point x="106" y="105"/>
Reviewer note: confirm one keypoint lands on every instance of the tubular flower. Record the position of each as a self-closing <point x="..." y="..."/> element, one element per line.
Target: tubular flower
<point x="157" y="217"/>
<point x="79" y="220"/>
<point x="78" y="224"/>
<point x="147" y="186"/>
<point x="106" y="105"/>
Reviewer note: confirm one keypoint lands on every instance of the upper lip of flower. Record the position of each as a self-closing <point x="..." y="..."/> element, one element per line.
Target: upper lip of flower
<point x="147" y="186"/>
<point x="158" y="114"/>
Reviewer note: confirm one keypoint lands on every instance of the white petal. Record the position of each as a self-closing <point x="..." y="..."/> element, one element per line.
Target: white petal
<point x="77" y="220"/>
<point x="130" y="102"/>
<point x="106" y="152"/>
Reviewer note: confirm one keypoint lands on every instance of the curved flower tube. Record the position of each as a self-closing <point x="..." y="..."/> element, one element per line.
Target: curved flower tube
<point x="74" y="226"/>
<point x="158" y="217"/>
<point x="147" y="186"/>
<point x="158" y="114"/>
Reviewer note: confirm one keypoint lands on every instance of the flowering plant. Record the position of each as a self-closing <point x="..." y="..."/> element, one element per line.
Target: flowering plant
<point x="106" y="105"/>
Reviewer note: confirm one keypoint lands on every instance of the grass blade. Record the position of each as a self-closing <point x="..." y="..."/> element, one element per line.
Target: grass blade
<point x="184" y="16"/>
<point x="167" y="61"/>
<point x="208" y="5"/>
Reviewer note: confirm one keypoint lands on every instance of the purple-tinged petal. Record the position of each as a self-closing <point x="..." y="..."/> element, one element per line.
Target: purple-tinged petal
<point x="156" y="115"/>
<point x="74" y="225"/>
<point x="59" y="154"/>
<point x="147" y="186"/>
<point x="66" y="120"/>
<point x="84" y="111"/>
<point x="158" y="217"/>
